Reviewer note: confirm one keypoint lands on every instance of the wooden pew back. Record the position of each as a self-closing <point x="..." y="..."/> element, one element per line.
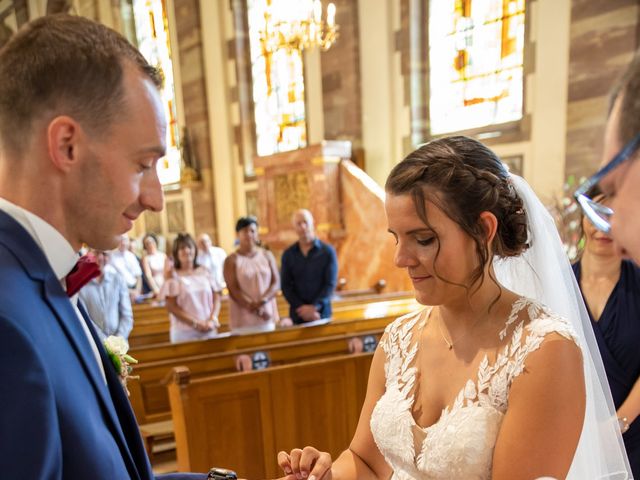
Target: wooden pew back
<point x="217" y="356"/>
<point x="241" y="421"/>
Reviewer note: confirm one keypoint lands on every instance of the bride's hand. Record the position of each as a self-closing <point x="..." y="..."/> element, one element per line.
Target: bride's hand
<point x="308" y="463"/>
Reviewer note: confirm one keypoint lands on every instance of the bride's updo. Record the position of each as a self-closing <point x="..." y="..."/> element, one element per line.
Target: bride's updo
<point x="464" y="178"/>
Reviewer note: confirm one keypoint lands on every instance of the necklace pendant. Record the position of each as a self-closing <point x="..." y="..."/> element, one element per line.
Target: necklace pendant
<point x="450" y="347"/>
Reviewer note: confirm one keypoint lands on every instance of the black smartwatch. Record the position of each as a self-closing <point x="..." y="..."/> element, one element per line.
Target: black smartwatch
<point x="221" y="474"/>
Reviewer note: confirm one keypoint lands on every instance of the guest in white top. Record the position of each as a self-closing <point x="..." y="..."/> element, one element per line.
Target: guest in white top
<point x="153" y="263"/>
<point x="212" y="258"/>
<point x="127" y="265"/>
<point x="106" y="299"/>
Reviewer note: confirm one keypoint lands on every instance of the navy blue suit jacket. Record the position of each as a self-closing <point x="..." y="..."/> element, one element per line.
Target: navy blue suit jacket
<point x="58" y="419"/>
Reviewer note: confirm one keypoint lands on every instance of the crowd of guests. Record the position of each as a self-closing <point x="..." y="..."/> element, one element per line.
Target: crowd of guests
<point x="192" y="278"/>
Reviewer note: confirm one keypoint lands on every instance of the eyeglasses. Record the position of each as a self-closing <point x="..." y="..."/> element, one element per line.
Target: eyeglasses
<point x="597" y="213"/>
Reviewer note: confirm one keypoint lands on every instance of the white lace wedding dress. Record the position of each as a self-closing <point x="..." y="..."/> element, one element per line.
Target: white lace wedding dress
<point x="460" y="444"/>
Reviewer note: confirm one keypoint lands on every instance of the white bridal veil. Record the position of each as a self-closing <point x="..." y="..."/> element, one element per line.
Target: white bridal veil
<point x="543" y="273"/>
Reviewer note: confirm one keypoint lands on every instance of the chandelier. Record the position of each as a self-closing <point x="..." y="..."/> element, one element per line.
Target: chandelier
<point x="297" y="25"/>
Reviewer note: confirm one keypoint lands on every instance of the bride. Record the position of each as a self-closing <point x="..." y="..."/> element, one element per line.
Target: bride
<point x="495" y="377"/>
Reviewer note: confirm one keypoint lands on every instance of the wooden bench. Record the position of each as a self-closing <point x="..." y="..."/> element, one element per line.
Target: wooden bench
<point x="241" y="421"/>
<point x="148" y="394"/>
<point x="152" y="433"/>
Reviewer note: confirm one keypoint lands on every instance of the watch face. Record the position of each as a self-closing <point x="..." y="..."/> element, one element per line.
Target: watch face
<point x="221" y="474"/>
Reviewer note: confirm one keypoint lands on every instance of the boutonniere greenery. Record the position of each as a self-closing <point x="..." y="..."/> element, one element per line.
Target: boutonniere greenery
<point x="117" y="348"/>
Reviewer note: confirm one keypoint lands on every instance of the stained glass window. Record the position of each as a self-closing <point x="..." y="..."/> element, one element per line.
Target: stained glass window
<point x="152" y="34"/>
<point x="476" y="51"/>
<point x="278" y="81"/>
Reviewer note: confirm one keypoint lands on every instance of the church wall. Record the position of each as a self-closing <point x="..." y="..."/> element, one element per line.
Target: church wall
<point x="228" y="149"/>
<point x="385" y="117"/>
<point x="196" y="115"/>
<point x="341" y="79"/>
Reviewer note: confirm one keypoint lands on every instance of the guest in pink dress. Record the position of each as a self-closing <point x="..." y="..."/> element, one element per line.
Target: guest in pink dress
<point x="191" y="295"/>
<point x="252" y="278"/>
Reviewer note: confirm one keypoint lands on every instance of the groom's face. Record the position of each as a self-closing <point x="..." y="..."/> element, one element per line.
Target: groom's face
<point x="117" y="180"/>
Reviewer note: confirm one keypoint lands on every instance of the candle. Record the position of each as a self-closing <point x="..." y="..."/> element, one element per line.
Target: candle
<point x="331" y="14"/>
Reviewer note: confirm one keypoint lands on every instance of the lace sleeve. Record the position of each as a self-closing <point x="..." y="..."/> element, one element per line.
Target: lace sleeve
<point x="542" y="323"/>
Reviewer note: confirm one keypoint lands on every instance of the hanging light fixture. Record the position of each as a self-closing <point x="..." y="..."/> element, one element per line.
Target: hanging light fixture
<point x="298" y="25"/>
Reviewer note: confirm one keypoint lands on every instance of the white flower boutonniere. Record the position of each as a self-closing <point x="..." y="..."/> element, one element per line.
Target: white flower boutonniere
<point x="117" y="348"/>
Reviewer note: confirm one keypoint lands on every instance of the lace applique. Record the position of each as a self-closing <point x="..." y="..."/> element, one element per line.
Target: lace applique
<point x="460" y="444"/>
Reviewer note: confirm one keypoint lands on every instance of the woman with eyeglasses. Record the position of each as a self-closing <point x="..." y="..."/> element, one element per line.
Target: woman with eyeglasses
<point x="611" y="290"/>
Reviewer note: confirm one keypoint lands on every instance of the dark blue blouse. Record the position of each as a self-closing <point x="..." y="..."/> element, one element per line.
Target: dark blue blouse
<point x="618" y="335"/>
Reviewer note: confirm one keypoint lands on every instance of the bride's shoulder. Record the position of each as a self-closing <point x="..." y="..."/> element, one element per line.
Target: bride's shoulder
<point x="407" y="321"/>
<point x="542" y="322"/>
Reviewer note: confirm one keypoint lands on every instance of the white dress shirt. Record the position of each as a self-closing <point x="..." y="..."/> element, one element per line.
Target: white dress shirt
<point x="108" y="304"/>
<point x="127" y="266"/>
<point x="58" y="252"/>
<point x="213" y="260"/>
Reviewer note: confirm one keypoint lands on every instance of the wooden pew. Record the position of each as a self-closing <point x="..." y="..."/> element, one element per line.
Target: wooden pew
<point x="151" y="324"/>
<point x="241" y="421"/>
<point x="217" y="356"/>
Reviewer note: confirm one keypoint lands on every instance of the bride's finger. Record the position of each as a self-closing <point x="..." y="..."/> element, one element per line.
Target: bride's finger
<point x="308" y="460"/>
<point x="294" y="459"/>
<point x="284" y="461"/>
<point x="322" y="467"/>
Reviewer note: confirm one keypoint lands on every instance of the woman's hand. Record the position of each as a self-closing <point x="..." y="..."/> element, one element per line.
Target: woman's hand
<point x="255" y="306"/>
<point x="203" y="327"/>
<point x="264" y="314"/>
<point x="308" y="463"/>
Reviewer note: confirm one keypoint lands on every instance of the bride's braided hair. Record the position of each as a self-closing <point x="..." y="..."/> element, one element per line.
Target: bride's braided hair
<point x="464" y="178"/>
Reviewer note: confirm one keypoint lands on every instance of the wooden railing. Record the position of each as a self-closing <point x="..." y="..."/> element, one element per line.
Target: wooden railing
<point x="151" y="323"/>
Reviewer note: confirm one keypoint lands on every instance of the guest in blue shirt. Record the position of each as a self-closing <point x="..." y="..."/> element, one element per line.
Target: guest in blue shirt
<point x="309" y="272"/>
<point x="107" y="301"/>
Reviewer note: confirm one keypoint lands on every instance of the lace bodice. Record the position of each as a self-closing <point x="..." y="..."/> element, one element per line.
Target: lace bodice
<point x="460" y="444"/>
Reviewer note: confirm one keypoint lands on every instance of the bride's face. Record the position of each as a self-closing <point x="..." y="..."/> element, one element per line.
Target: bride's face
<point x="435" y="256"/>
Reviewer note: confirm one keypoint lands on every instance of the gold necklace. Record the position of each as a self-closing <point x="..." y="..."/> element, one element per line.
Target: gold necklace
<point x="451" y="343"/>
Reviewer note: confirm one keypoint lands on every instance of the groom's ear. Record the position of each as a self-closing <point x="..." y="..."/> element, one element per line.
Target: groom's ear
<point x="489" y="224"/>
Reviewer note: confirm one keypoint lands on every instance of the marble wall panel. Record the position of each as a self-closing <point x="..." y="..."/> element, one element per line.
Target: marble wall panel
<point x="366" y="253"/>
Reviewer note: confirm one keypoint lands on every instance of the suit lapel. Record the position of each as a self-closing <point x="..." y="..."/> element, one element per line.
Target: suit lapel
<point x="127" y="424"/>
<point x="29" y="254"/>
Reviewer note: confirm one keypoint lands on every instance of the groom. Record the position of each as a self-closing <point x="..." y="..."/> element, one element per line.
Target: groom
<point x="81" y="131"/>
